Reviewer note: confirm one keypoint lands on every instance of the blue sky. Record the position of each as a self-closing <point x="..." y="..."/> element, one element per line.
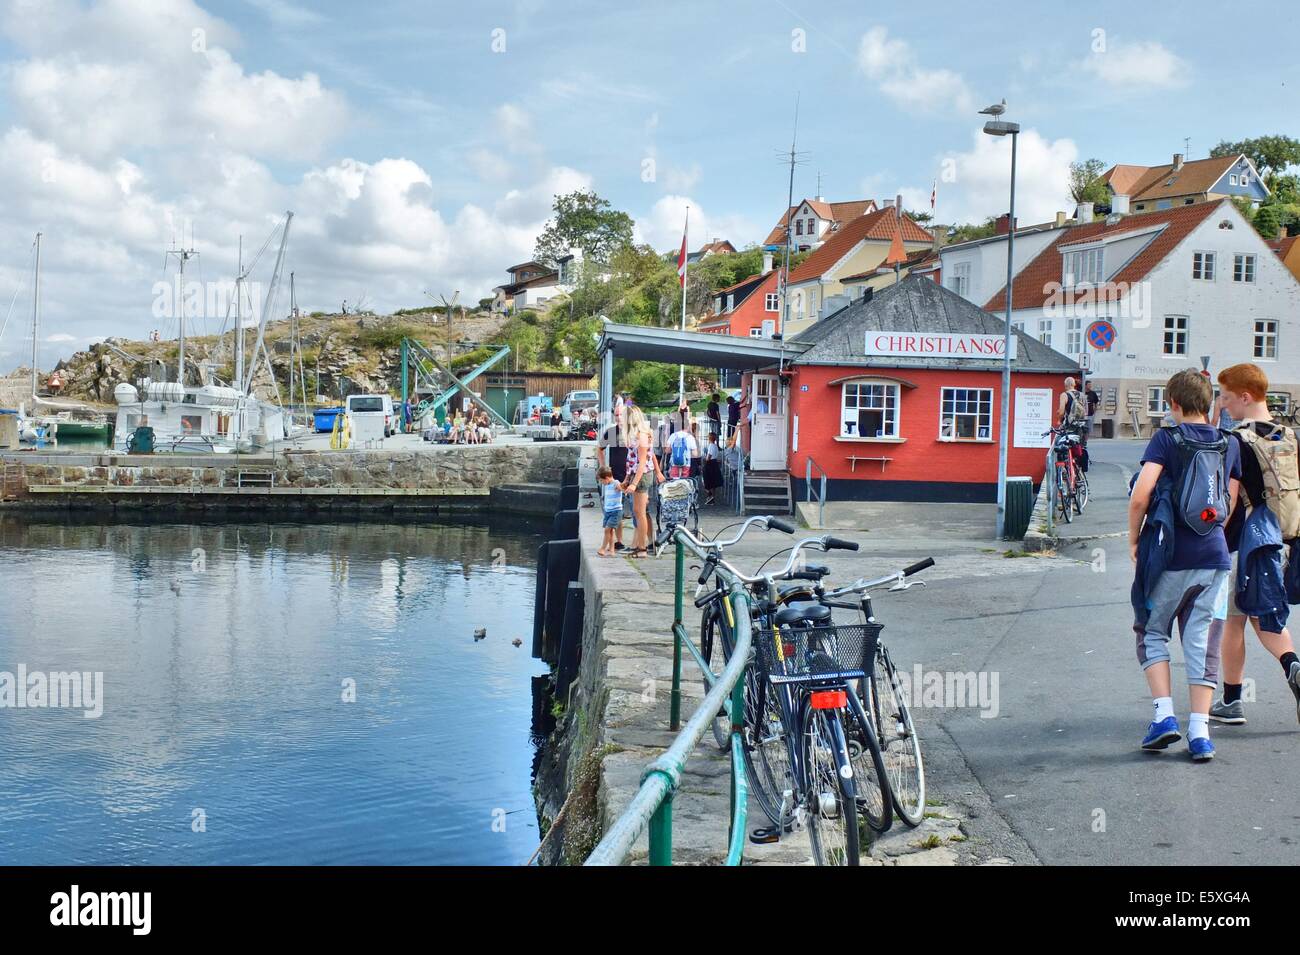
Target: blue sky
<point x="418" y="154"/>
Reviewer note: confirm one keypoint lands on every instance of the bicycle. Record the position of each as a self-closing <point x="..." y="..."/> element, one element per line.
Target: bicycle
<point x="899" y="741"/>
<point x="1069" y="484"/>
<point x="809" y="747"/>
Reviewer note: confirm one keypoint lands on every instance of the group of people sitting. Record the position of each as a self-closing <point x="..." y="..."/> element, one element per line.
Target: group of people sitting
<point x="474" y="428"/>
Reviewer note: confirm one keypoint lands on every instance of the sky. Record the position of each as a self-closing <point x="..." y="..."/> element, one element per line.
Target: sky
<point x="419" y="144"/>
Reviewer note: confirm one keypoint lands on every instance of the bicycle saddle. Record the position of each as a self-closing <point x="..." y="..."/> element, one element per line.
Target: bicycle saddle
<point x="803" y="614"/>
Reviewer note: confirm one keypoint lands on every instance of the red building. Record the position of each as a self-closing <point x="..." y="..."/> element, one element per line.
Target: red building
<point x="898" y="397"/>
<point x="750" y="308"/>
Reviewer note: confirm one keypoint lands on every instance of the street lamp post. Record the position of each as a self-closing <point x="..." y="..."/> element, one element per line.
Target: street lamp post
<point x="997" y="127"/>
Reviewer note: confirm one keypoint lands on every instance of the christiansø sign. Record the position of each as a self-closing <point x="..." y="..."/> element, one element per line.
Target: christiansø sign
<point x="937" y="345"/>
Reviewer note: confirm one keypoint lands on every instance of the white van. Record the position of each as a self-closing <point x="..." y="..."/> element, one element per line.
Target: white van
<point x="368" y="411"/>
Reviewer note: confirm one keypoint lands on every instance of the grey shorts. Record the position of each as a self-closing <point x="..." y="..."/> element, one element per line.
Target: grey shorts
<point x="1198" y="601"/>
<point x="612" y="518"/>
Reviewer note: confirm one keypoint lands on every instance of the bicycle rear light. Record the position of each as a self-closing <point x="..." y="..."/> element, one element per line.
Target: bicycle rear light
<point x="830" y="700"/>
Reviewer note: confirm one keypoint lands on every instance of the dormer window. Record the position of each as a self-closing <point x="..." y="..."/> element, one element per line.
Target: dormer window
<point x="1084" y="267"/>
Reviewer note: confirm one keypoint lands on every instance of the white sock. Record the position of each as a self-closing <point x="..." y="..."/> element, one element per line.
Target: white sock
<point x="1164" y="707"/>
<point x="1198" y="726"/>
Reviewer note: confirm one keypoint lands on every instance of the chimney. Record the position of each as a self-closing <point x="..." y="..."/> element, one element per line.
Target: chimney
<point x="886" y="203"/>
<point x="1003" y="225"/>
<point x="1119" y="205"/>
<point x="898" y="206"/>
<point x="1060" y="219"/>
<point x="1178" y="161"/>
<point x="767" y="262"/>
<point x="1084" y="213"/>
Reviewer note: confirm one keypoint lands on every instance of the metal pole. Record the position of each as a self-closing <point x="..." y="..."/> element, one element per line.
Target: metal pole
<point x="661" y="833"/>
<point x="675" y="699"/>
<point x="686" y="268"/>
<point x="1006" y="356"/>
<point x="36" y="316"/>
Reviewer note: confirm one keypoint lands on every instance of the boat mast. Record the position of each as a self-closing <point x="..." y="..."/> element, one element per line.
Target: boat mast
<point x="182" y="256"/>
<point x="36" y="313"/>
<point x="239" y="315"/>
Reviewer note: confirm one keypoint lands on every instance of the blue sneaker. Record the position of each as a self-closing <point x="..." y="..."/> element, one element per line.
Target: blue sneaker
<point x="1159" y="735"/>
<point x="1201" y="748"/>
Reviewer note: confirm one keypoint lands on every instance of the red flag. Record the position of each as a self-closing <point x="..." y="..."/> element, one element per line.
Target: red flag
<point x="681" y="263"/>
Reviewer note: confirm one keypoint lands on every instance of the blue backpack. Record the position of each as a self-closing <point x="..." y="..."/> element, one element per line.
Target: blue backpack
<point x="681" y="456"/>
<point x="1201" y="500"/>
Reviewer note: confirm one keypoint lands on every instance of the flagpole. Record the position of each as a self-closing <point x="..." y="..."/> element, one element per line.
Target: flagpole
<point x="686" y="265"/>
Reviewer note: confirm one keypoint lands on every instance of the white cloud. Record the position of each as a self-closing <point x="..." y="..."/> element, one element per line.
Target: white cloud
<point x="1144" y="65"/>
<point x="124" y="139"/>
<point x="983" y="180"/>
<point x="661" y="228"/>
<point x="893" y="67"/>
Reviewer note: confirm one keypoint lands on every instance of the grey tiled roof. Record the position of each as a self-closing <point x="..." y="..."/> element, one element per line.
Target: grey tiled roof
<point x="918" y="304"/>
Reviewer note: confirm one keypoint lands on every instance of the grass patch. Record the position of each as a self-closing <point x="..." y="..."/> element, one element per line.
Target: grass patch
<point x="931" y="842"/>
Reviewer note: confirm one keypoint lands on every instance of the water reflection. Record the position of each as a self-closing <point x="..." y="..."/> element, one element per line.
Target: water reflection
<point x="225" y="648"/>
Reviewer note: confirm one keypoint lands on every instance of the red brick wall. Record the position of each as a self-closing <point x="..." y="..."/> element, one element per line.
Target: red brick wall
<point x="922" y="456"/>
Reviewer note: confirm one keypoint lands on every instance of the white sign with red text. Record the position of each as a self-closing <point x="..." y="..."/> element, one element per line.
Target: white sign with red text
<point x="937" y="345"/>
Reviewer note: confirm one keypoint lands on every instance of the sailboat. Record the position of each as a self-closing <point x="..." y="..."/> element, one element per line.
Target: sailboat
<point x="212" y="416"/>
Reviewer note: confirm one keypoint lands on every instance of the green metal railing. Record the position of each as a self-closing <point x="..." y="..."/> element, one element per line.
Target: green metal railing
<point x="652" y="806"/>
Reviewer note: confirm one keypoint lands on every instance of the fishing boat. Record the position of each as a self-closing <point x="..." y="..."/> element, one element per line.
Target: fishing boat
<point x="212" y="415"/>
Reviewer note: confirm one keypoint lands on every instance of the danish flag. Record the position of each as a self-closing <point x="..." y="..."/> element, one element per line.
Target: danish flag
<point x="681" y="263"/>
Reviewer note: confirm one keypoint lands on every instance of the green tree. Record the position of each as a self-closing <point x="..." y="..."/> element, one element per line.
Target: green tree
<point x="1086" y="184"/>
<point x="970" y="230"/>
<point x="1272" y="155"/>
<point x="585" y="221"/>
<point x="1268" y="219"/>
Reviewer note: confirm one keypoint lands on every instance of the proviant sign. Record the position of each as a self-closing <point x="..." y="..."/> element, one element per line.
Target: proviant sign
<point x="937" y="345"/>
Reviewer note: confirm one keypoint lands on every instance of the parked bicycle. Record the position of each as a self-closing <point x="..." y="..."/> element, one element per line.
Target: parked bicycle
<point x="810" y="749"/>
<point x="1069" y="488"/>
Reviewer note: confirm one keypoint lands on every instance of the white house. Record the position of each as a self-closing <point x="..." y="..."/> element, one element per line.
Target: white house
<point x="1136" y="298"/>
<point x="978" y="268"/>
<point x="813" y="221"/>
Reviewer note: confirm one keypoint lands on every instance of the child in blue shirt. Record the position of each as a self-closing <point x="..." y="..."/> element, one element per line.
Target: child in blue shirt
<point x="1193" y="588"/>
<point x="612" y="497"/>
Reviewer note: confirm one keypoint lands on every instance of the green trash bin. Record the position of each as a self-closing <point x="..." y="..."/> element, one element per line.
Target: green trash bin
<point x="1020" y="507"/>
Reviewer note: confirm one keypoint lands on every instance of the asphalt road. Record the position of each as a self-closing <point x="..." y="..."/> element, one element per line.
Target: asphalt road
<point x="1057" y="775"/>
<point x="1061" y="762"/>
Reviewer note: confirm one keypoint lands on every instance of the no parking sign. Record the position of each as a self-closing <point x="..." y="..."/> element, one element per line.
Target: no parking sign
<point x="1101" y="335"/>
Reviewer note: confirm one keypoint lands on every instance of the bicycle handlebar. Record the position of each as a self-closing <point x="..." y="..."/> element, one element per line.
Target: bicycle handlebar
<point x="861" y="585"/>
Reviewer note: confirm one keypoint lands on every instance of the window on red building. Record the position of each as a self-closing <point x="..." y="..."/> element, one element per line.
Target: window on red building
<point x="869" y="410"/>
<point x="966" y="414"/>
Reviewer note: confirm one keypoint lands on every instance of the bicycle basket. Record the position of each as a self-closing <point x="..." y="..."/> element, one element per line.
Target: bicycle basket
<point x="816" y="654"/>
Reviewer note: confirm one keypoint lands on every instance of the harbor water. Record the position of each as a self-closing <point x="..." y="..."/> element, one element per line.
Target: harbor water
<point x="272" y="693"/>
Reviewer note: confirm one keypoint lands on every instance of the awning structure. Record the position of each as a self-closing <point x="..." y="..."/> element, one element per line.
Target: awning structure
<point x="671" y="346"/>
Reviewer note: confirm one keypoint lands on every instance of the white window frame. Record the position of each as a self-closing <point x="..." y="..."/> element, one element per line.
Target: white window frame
<point x="1073" y="335"/>
<point x="798" y="227"/>
<point x="1045" y="332"/>
<point x="890" y="395"/>
<point x="983" y="414"/>
<point x="1232" y="179"/>
<point x="1204" y="263"/>
<point x="772" y="302"/>
<point x="1156" y="399"/>
<point x="756" y="333"/>
<point x="1083" y="267"/>
<point x="1185" y="331"/>
<point x="1265" y="339"/>
<point x="959" y="281"/>
<point x="1243" y="267"/>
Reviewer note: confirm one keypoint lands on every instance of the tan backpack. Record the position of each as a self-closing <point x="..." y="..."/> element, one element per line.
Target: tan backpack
<point x="1279" y="463"/>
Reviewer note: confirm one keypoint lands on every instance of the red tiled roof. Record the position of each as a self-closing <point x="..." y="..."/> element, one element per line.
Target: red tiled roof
<point x="1034" y="284"/>
<point x="1283" y="246"/>
<point x="878" y="226"/>
<point x="745" y="281"/>
<point x="914" y="259"/>
<point x="839" y="212"/>
<point x="717" y="248"/>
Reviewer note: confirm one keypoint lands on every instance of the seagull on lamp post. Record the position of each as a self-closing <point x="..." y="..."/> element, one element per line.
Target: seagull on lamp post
<point x="997" y="109"/>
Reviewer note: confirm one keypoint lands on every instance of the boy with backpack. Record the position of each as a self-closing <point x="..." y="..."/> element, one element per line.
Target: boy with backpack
<point x="1183" y="495"/>
<point x="1269" y="476"/>
<point x="682" y="448"/>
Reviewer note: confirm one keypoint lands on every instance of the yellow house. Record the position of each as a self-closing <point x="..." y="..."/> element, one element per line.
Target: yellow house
<point x="1288" y="250"/>
<point x="856" y="248"/>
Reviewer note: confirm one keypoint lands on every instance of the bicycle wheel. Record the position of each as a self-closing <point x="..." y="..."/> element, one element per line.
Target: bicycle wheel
<point x="1062" y="502"/>
<point x="716" y="651"/>
<point x="767" y="758"/>
<point x="870" y="771"/>
<point x="828" y="788"/>
<point x="899" y="743"/>
<point x="1080" y="492"/>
